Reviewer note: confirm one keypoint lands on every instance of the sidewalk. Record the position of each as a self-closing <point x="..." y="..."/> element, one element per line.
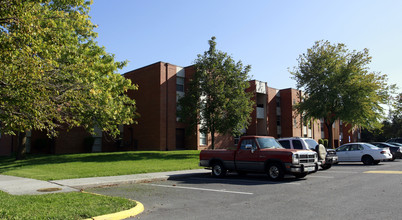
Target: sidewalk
<point x="25" y="186"/>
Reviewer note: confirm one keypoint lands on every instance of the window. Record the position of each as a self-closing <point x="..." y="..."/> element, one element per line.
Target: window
<point x="268" y="143"/>
<point x="246" y="142"/>
<point x="297" y="144"/>
<point x="343" y="148"/>
<point x="179" y="84"/>
<point x="354" y="147"/>
<point x="278" y="101"/>
<point x="285" y="144"/>
<point x="203" y="139"/>
<point x="278" y="120"/>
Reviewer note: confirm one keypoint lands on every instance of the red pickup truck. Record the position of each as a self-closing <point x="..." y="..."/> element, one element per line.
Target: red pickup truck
<point x="260" y="154"/>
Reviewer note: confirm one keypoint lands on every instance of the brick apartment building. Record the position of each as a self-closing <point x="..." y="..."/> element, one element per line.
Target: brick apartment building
<point x="158" y="128"/>
<point x="160" y="86"/>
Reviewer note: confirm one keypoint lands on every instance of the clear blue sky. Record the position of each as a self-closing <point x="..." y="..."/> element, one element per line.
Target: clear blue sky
<point x="268" y="35"/>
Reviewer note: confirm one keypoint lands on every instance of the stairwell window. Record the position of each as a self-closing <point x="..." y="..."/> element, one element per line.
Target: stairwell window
<point x="203" y="139"/>
<point x="180" y="84"/>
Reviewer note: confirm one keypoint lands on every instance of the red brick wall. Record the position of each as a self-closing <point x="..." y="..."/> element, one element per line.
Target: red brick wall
<point x="7" y="145"/>
<point x="168" y="107"/>
<point x="286" y="113"/>
<point x="272" y="114"/>
<point x="146" y="135"/>
<point x="72" y="141"/>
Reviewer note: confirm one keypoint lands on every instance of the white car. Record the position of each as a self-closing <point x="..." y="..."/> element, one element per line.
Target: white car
<point x="364" y="152"/>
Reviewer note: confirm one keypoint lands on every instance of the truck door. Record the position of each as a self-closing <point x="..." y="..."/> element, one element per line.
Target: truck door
<point x="247" y="158"/>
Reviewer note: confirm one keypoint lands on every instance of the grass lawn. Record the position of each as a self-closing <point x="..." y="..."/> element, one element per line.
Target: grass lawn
<point x="78" y="205"/>
<point x="75" y="205"/>
<point x="68" y="166"/>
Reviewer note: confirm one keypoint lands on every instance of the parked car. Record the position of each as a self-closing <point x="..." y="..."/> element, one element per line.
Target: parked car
<point x="396" y="151"/>
<point x="326" y="157"/>
<point x="259" y="154"/>
<point x="397" y="140"/>
<point x="364" y="152"/>
<point x="395" y="144"/>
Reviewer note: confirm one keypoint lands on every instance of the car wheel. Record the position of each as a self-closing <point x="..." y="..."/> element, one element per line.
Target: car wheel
<point x="367" y="160"/>
<point x="326" y="166"/>
<point x="218" y="170"/>
<point x="376" y="162"/>
<point x="300" y="175"/>
<point x="275" y="171"/>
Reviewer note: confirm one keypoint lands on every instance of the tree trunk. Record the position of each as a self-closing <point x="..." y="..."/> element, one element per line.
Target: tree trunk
<point x="21" y="141"/>
<point x="330" y="138"/>
<point x="212" y="140"/>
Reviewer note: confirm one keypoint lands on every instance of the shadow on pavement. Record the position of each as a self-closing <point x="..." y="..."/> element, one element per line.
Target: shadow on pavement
<point x="233" y="179"/>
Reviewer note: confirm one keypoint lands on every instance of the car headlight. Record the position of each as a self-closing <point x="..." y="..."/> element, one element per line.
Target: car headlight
<point x="295" y="159"/>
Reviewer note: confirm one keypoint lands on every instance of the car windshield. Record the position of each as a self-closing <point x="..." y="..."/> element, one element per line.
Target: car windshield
<point x="311" y="143"/>
<point x="268" y="143"/>
<point x="371" y="146"/>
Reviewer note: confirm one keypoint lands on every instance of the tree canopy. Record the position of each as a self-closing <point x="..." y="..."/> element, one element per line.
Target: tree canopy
<point x="339" y="85"/>
<point x="53" y="73"/>
<point x="216" y="99"/>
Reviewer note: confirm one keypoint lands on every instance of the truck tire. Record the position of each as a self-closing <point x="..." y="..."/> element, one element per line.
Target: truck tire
<point x="275" y="171"/>
<point x="218" y="170"/>
<point x="326" y="166"/>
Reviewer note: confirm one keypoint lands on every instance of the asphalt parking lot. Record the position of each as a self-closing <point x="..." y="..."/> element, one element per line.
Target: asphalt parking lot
<point x="346" y="191"/>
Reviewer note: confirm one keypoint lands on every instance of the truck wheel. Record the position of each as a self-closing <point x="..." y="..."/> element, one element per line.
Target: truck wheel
<point x="326" y="166"/>
<point x="218" y="170"/>
<point x="300" y="175"/>
<point x="275" y="171"/>
<point x="367" y="160"/>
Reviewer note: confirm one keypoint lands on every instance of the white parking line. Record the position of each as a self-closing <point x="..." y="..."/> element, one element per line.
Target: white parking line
<point x="203" y="189"/>
<point x="328" y="177"/>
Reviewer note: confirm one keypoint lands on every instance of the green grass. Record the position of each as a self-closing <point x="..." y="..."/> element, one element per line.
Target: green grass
<point x="56" y="167"/>
<point x="74" y="205"/>
<point x="82" y="205"/>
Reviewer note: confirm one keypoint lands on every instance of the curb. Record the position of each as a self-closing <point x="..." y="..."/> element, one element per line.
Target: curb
<point x="138" y="209"/>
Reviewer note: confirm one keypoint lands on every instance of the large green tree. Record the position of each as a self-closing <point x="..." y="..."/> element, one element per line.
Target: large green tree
<point x="393" y="127"/>
<point x="216" y="99"/>
<point x="53" y="74"/>
<point x="339" y="85"/>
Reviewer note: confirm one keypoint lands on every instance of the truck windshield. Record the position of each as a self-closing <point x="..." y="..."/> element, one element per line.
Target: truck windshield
<point x="268" y="143"/>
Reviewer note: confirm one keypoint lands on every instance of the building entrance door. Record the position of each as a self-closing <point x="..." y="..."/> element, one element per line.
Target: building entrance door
<point x="180" y="138"/>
